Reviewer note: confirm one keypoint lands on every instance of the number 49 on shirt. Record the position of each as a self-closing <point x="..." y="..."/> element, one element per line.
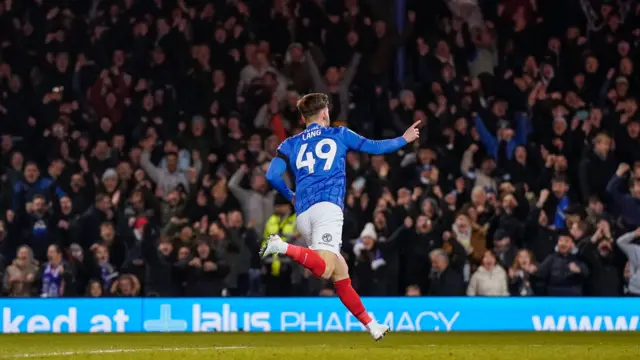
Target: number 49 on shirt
<point x="308" y="159"/>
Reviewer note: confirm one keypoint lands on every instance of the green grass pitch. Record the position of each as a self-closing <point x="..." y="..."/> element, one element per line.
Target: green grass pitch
<point x="325" y="346"/>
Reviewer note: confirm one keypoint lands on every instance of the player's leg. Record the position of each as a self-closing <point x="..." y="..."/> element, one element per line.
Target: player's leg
<point x="321" y="227"/>
<point x="306" y="257"/>
<point x="351" y="300"/>
<point x="311" y="260"/>
<point x="347" y="293"/>
<point x="326" y="240"/>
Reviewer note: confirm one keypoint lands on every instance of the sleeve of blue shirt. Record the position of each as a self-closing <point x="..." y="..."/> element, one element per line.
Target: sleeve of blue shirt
<point x="47" y="183"/>
<point x="488" y="140"/>
<point x="277" y="167"/>
<point x="60" y="192"/>
<point x="374" y="147"/>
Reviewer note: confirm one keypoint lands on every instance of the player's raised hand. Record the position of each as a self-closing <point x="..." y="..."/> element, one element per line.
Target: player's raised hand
<point x="412" y="132"/>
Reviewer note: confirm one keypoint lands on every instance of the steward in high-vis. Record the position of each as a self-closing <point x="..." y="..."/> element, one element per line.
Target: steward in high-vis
<point x="282" y="223"/>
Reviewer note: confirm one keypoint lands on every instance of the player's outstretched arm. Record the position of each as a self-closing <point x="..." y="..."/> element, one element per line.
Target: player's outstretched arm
<point x="377" y="147"/>
<point x="274" y="175"/>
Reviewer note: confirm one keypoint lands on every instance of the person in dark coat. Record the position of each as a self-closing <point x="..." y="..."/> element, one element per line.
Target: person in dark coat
<point x="540" y="238"/>
<point x="419" y="244"/>
<point x="445" y="281"/>
<point x="371" y="271"/>
<point x="503" y="248"/>
<point x="162" y="272"/>
<point x="38" y="228"/>
<point x="89" y="222"/>
<point x="596" y="169"/>
<point x="604" y="261"/>
<point x="627" y="205"/>
<point x="204" y="274"/>
<point x="563" y="272"/>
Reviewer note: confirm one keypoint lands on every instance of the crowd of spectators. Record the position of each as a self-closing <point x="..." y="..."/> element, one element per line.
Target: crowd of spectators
<point x="136" y="135"/>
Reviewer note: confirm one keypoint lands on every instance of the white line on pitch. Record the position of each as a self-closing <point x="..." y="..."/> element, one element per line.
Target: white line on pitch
<point x="117" y="351"/>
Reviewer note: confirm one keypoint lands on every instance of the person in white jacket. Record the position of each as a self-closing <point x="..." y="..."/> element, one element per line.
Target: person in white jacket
<point x="627" y="243"/>
<point x="490" y="279"/>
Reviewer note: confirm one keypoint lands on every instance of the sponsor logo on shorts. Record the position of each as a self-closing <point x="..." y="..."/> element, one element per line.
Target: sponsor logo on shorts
<point x="326" y="238"/>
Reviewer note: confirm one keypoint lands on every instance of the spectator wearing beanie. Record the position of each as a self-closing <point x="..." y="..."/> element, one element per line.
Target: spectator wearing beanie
<point x="109" y="180"/>
<point x="370" y="267"/>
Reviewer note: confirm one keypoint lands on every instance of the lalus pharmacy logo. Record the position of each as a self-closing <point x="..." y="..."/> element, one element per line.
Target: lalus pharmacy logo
<point x="165" y="323"/>
<point x="223" y="319"/>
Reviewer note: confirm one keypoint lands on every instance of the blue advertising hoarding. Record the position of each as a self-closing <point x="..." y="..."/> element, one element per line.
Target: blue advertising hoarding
<point x="317" y="314"/>
<point x="70" y="315"/>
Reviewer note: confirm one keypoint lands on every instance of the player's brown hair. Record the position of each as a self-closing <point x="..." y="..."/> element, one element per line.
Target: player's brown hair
<point x="311" y="104"/>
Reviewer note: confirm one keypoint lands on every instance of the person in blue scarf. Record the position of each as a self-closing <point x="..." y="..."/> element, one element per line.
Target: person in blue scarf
<point x="54" y="275"/>
<point x="99" y="265"/>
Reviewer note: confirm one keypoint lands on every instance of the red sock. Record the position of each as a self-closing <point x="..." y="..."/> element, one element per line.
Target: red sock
<point x="351" y="300"/>
<point x="307" y="258"/>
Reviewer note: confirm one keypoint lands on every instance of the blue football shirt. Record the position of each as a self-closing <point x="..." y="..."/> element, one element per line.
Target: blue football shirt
<point x="317" y="156"/>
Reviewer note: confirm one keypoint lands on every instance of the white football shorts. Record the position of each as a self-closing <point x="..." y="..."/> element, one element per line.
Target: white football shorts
<point x="321" y="226"/>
